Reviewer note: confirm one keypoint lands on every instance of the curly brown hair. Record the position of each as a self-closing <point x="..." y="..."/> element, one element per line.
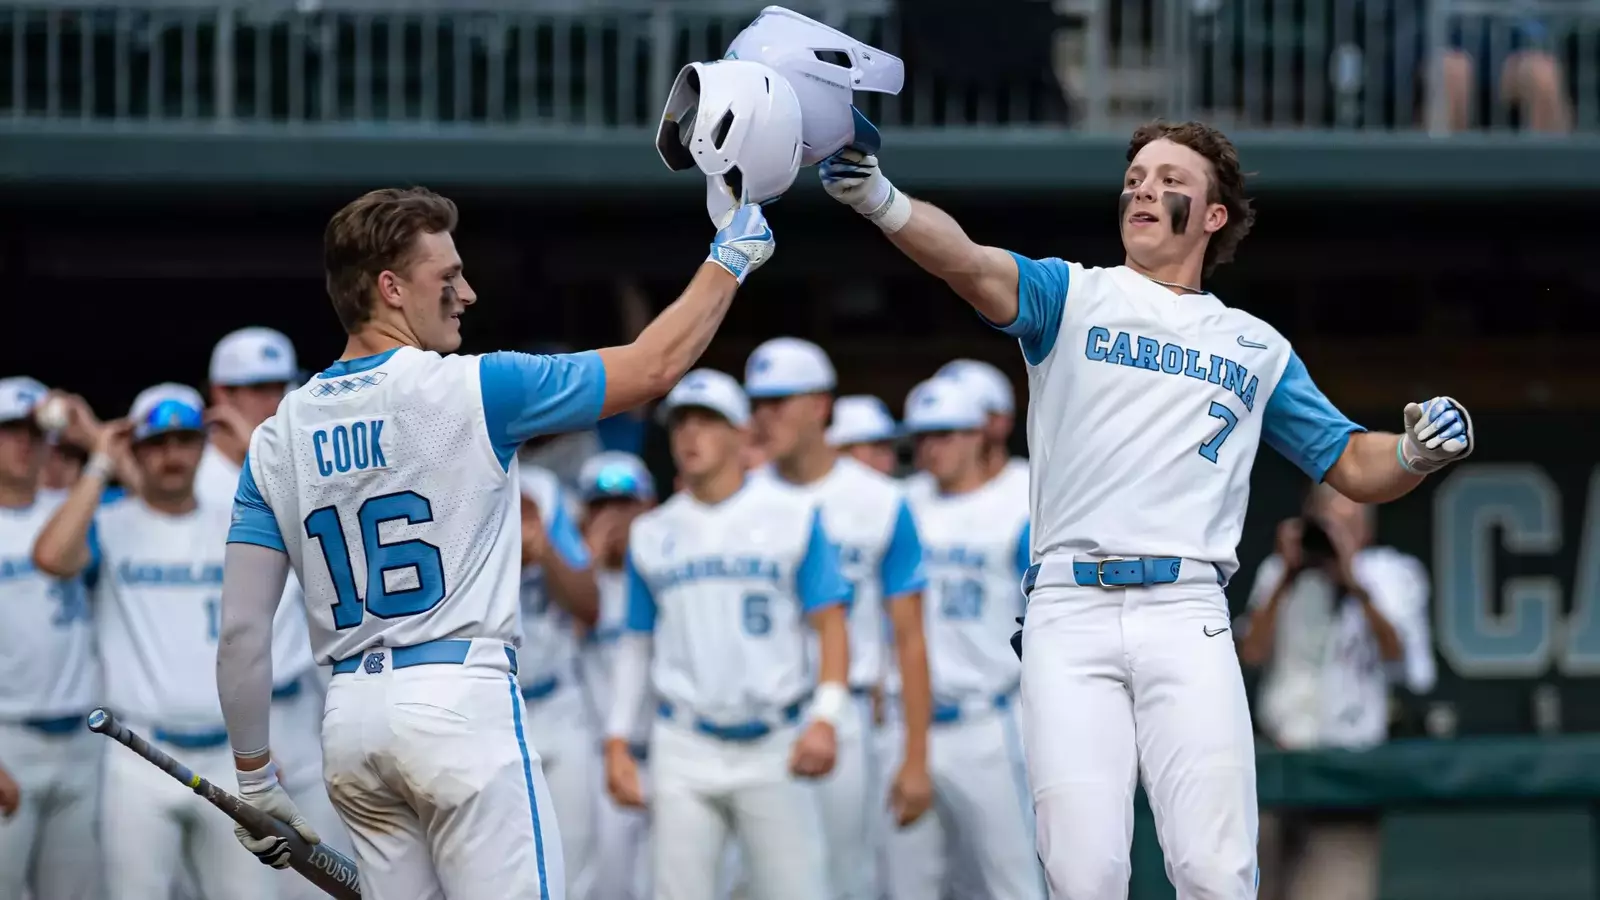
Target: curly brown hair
<point x="375" y="233"/>
<point x="1227" y="181"/>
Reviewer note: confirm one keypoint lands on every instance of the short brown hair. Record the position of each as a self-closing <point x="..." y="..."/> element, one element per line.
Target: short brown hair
<point x="1227" y="182"/>
<point x="374" y="233"/>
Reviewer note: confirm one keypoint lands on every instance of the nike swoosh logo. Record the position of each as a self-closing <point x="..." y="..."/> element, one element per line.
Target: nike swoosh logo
<point x="1210" y="633"/>
<point x="1251" y="344"/>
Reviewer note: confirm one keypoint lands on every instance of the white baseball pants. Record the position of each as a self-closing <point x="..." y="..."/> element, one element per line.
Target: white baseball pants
<point x="297" y="748"/>
<point x="559" y="726"/>
<point x="51" y="843"/>
<point x="852" y="806"/>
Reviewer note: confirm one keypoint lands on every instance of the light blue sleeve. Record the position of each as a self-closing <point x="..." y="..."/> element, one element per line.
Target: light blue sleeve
<point x="818" y="581"/>
<point x="1301" y="424"/>
<point x="901" y="568"/>
<point x="253" y="521"/>
<point x="91" y="572"/>
<point x="564" y="537"/>
<point x="1024" y="557"/>
<point x="641" y="615"/>
<point x="1041" y="297"/>
<point x="525" y="396"/>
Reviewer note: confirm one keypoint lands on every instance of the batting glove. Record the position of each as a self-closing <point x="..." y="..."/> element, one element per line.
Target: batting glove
<point x="744" y="244"/>
<point x="1438" y="433"/>
<point x="260" y="788"/>
<point x="853" y="178"/>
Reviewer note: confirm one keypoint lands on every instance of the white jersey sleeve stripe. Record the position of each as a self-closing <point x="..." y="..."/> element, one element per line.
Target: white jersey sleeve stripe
<point x="1303" y="425"/>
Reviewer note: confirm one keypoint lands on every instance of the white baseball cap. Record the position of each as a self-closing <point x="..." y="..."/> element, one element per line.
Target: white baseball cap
<point x="615" y="474"/>
<point x="786" y="366"/>
<point x="708" y="389"/>
<point x="18" y="396"/>
<point x="991" y="385"/>
<point x="166" y="407"/>
<point x="943" y="404"/>
<point x="253" y="356"/>
<point x="860" y="419"/>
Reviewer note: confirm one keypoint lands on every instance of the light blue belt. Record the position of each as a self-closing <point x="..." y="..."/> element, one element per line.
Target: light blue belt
<point x="192" y="740"/>
<point x="741" y="732"/>
<point x="947" y="713"/>
<point x="287" y="691"/>
<point x="56" y="725"/>
<point x="450" y="652"/>
<point x="541" y="689"/>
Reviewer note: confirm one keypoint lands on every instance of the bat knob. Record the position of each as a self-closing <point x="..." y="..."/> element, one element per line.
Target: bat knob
<point x="99" y="721"/>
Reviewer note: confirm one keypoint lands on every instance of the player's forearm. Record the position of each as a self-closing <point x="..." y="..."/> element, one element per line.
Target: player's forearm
<point x="1369" y="470"/>
<point x="62" y="547"/>
<point x="1383" y="631"/>
<point x="670" y="345"/>
<point x="916" y="691"/>
<point x="630" y="678"/>
<point x="985" y="277"/>
<point x="574" y="590"/>
<point x="833" y="638"/>
<point x="252" y="585"/>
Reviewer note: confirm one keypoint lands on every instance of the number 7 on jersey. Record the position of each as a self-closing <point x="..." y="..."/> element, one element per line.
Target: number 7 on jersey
<point x="1229" y="422"/>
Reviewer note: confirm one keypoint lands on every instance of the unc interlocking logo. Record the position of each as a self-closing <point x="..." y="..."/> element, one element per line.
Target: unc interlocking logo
<point x="336" y="387"/>
<point x="270" y="353"/>
<point x="760" y="364"/>
<point x="1174" y="566"/>
<point x="373" y="664"/>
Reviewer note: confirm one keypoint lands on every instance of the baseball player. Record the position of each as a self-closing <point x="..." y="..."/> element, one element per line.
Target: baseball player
<point x="975" y="546"/>
<point x="251" y="371"/>
<point x="559" y="598"/>
<point x="1142" y="430"/>
<point x="157" y="567"/>
<point x="790" y="383"/>
<point x="616" y="488"/>
<point x="47" y="683"/>
<point x="994" y="390"/>
<point x="722" y="581"/>
<point x="388" y="482"/>
<point x="863" y="429"/>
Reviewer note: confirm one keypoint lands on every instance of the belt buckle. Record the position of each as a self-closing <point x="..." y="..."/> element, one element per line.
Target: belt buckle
<point x="1100" y="572"/>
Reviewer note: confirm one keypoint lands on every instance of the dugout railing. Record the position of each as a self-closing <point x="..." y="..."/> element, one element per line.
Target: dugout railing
<point x="1362" y="66"/>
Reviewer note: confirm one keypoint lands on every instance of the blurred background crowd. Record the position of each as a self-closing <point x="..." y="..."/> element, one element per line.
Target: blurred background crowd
<point x="1426" y="174"/>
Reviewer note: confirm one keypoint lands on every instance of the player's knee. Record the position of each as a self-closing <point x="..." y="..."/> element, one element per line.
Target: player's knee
<point x="1080" y="863"/>
<point x="1219" y="877"/>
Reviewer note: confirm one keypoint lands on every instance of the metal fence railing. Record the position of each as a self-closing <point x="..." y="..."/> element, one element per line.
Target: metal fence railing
<point x="1094" y="65"/>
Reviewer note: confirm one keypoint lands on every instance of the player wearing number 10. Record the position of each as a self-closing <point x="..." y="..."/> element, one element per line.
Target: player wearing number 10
<point x="1149" y="398"/>
<point x="389" y="482"/>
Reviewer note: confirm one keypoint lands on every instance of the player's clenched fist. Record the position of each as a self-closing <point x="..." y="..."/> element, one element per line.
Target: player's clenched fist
<point x="853" y="178"/>
<point x="814" y="752"/>
<point x="10" y="795"/>
<point x="622" y="775"/>
<point x="260" y="788"/>
<point x="1438" y="432"/>
<point x="744" y="243"/>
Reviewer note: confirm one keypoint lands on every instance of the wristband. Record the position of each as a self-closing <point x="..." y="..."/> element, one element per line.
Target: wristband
<point x="829" y="702"/>
<point x="99" y="465"/>
<point x="893" y="214"/>
<point x="256" y="779"/>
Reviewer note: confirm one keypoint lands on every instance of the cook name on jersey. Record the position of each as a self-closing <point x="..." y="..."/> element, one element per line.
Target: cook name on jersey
<point x="1137" y="351"/>
<point x="349" y="446"/>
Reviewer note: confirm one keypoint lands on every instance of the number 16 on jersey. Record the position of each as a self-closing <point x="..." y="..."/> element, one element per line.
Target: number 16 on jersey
<point x="403" y="577"/>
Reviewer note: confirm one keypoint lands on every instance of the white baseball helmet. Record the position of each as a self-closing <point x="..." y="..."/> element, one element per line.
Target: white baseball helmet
<point x="825" y="66"/>
<point x="739" y="122"/>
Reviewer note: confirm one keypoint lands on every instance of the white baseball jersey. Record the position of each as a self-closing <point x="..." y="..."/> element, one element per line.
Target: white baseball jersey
<point x="549" y="651"/>
<point x="975" y="550"/>
<point x="1327" y="685"/>
<point x="47" y="662"/>
<point x="158" y="611"/>
<point x="598" y="656"/>
<point x="726" y="590"/>
<point x="1143" y="422"/>
<point x="864" y="513"/>
<point x="390" y="481"/>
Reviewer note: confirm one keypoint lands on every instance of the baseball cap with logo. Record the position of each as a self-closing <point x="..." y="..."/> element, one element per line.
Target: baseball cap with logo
<point x="254" y="356"/>
<point x="18" y="396"/>
<point x="708" y="389"/>
<point x="989" y="383"/>
<point x="860" y="419"/>
<point x="943" y="404"/>
<point x="165" y="408"/>
<point x="786" y="366"/>
<point x="615" y="474"/>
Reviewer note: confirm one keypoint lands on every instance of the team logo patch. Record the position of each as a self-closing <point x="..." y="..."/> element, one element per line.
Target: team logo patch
<point x="373" y="663"/>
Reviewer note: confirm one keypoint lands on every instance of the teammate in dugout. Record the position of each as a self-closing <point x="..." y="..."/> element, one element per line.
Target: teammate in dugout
<point x="388" y="483"/>
<point x="862" y="429"/>
<point x="723" y="580"/>
<point x="156" y="564"/>
<point x="1142" y="428"/>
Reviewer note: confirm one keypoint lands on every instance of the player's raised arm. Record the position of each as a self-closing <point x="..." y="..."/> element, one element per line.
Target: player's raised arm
<point x="67" y="545"/>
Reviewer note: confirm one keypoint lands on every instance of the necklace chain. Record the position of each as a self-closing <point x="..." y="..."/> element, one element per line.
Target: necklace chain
<point x="1171" y="284"/>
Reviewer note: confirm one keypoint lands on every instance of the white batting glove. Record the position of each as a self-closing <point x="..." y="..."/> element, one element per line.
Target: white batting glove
<point x="854" y="179"/>
<point x="1438" y="432"/>
<point x="744" y="244"/>
<point x="261" y="789"/>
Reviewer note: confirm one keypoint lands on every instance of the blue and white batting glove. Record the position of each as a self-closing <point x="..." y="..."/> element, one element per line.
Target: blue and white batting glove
<point x="744" y="244"/>
<point x="1438" y="432"/>
<point x="260" y="788"/>
<point x="853" y="178"/>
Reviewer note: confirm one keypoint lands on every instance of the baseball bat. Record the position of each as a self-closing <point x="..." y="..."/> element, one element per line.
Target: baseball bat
<point x="322" y="865"/>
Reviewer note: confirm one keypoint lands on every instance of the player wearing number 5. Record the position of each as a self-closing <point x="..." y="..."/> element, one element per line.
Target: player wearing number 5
<point x="722" y="580"/>
<point x="389" y="482"/>
<point x="156" y="564"/>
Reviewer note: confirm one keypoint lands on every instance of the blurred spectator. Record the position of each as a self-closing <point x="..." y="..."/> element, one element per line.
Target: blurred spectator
<point x="1529" y="80"/>
<point x="1334" y="621"/>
